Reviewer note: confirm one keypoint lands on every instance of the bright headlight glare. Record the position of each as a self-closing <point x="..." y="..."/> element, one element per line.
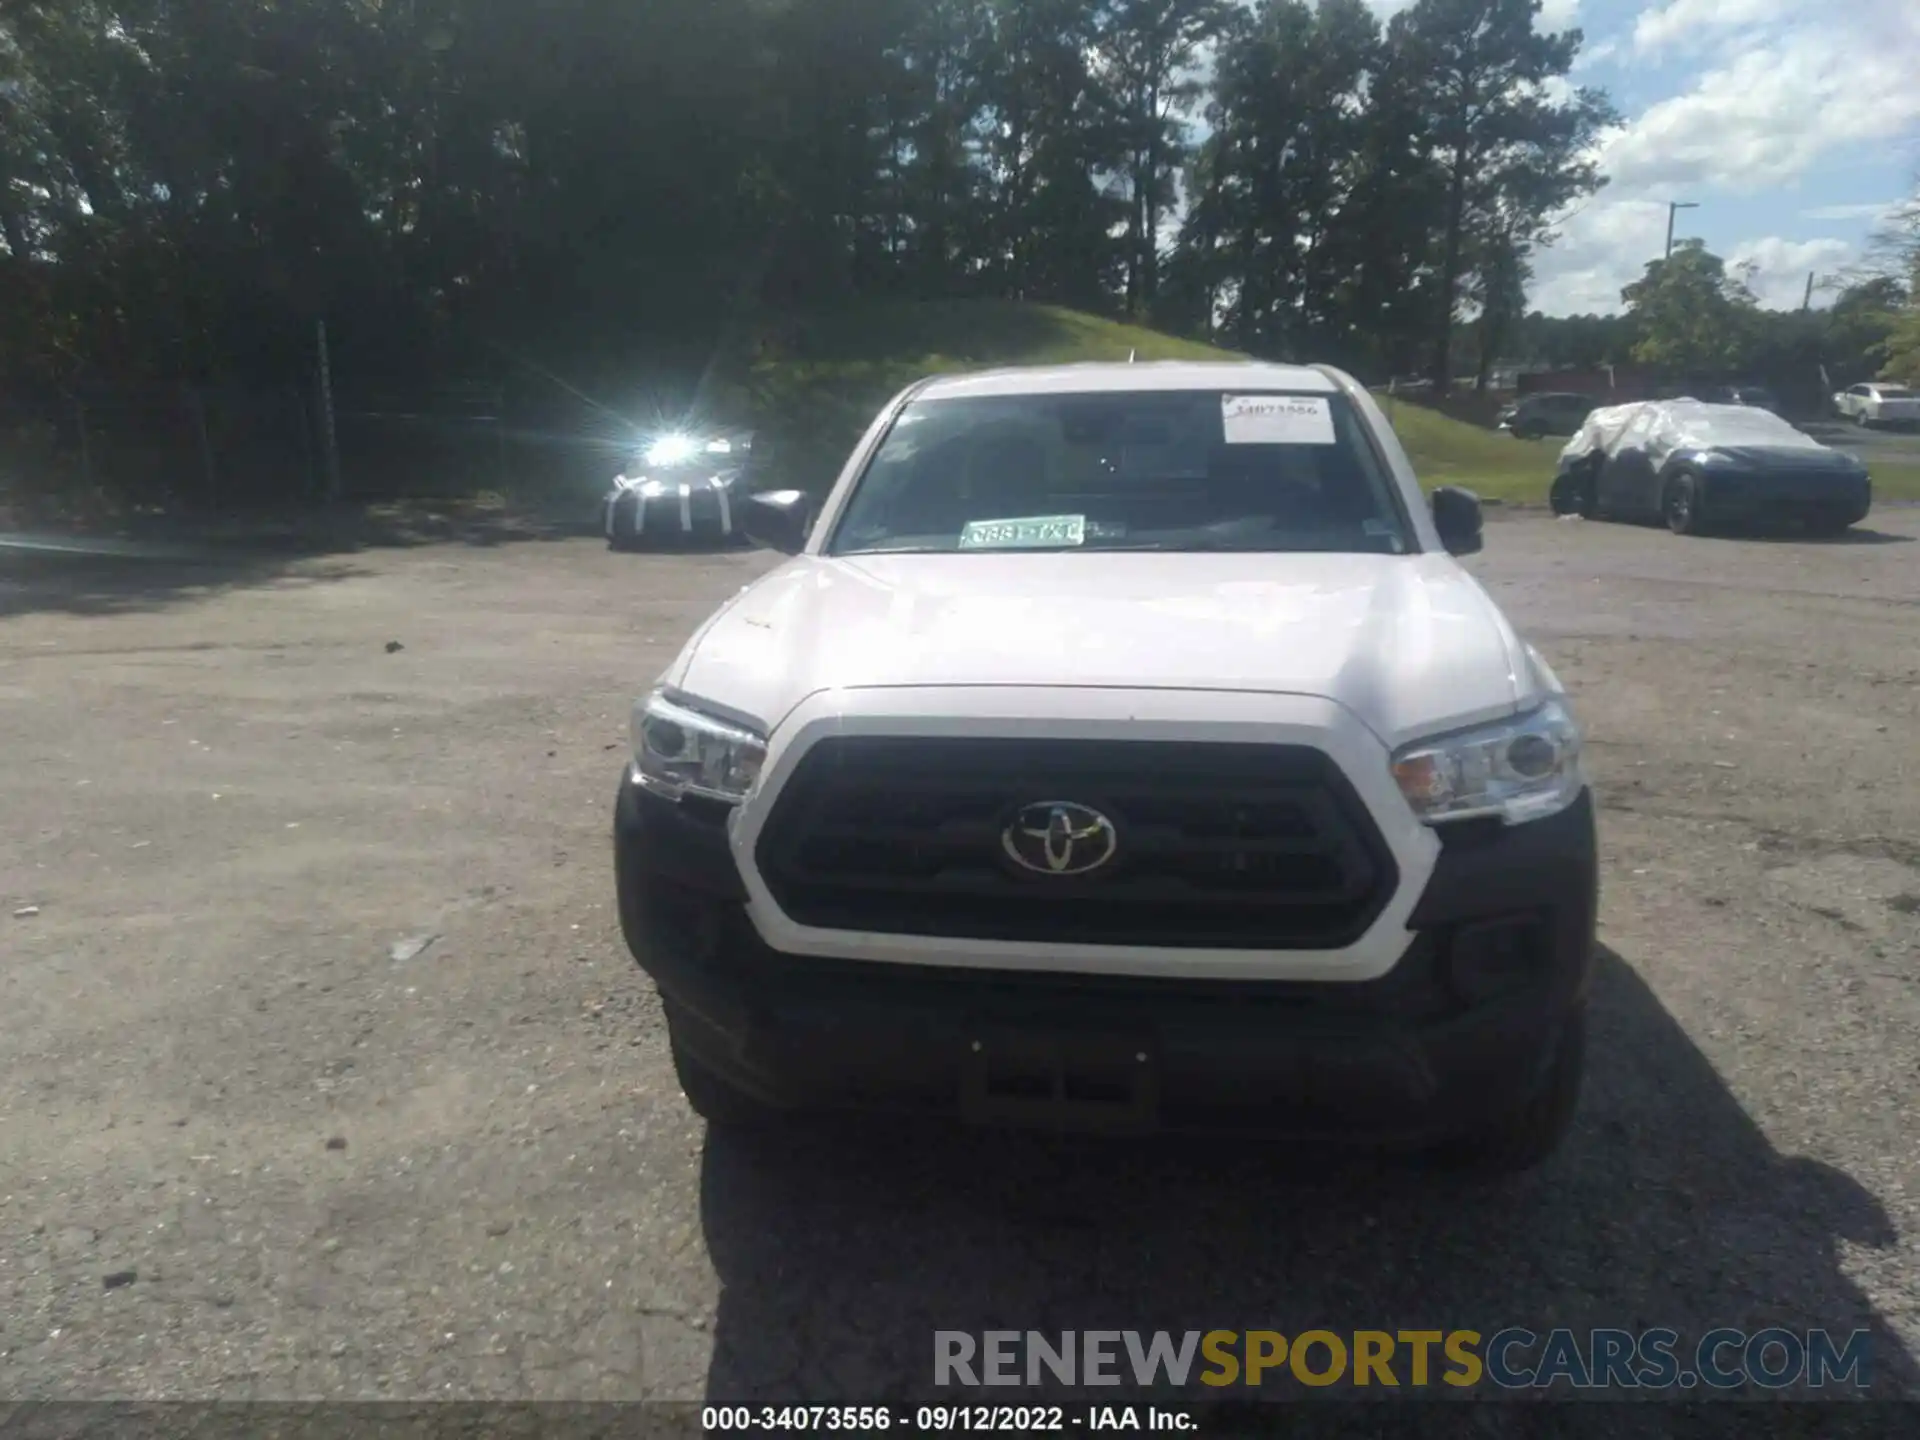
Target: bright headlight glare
<point x="680" y="751"/>
<point x="672" y="449"/>
<point x="1521" y="769"/>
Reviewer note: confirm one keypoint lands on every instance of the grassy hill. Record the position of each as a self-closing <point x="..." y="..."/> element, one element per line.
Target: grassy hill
<point x="815" y="383"/>
<point x="1493" y="464"/>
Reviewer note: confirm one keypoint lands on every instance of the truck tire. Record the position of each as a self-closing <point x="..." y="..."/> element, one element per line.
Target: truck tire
<point x="622" y="535"/>
<point x="1525" y="1139"/>
<point x="715" y="1100"/>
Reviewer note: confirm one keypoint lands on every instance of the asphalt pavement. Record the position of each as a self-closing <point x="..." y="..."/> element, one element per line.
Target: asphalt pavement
<point x="324" y="1074"/>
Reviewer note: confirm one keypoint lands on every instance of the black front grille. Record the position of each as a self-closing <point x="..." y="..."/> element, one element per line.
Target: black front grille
<point x="1228" y="846"/>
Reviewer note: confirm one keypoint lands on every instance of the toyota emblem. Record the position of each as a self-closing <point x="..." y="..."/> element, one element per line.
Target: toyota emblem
<point x="1059" y="837"/>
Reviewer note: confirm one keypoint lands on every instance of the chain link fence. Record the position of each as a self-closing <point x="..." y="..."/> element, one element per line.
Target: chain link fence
<point x="233" y="446"/>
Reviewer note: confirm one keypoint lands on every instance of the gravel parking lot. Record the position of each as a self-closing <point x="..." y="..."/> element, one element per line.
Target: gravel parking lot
<point x="323" y="1072"/>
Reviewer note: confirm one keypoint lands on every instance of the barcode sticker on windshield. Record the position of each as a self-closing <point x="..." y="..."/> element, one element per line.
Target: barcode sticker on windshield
<point x="1277" y="419"/>
<point x="1034" y="532"/>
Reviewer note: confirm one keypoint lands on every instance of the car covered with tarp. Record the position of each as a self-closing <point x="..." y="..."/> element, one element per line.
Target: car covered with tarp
<point x="1699" y="466"/>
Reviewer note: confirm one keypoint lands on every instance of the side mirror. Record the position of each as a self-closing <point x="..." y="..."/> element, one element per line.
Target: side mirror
<point x="778" y="519"/>
<point x="1456" y="515"/>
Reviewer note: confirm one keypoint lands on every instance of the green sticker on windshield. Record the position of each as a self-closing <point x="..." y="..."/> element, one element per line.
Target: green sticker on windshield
<point x="1034" y="532"/>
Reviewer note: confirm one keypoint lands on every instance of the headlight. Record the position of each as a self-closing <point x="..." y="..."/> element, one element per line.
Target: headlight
<point x="672" y="450"/>
<point x="679" y="751"/>
<point x="1521" y="769"/>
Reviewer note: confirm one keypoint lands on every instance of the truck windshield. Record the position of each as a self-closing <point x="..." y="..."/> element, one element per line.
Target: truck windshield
<point x="1161" y="470"/>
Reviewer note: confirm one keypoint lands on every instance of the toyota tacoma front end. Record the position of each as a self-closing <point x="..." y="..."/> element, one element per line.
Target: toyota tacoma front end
<point x="1121" y="748"/>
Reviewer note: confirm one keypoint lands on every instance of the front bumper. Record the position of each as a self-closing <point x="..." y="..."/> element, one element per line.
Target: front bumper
<point x="1738" y="495"/>
<point x="664" y="510"/>
<point x="1455" y="1035"/>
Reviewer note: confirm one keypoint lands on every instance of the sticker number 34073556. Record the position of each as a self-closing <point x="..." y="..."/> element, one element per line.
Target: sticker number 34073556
<point x="1276" y="419"/>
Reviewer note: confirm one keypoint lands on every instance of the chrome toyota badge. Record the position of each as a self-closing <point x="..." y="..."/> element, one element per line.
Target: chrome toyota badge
<point x="1059" y="837"/>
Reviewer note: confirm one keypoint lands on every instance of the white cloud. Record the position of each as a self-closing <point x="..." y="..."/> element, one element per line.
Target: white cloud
<point x="1872" y="210"/>
<point x="1596" y="52"/>
<point x="1601" y="248"/>
<point x="1781" y="267"/>
<point x="1816" y="89"/>
<point x="1660" y="26"/>
<point x="1607" y="246"/>
<point x="1771" y="112"/>
<point x="1555" y="15"/>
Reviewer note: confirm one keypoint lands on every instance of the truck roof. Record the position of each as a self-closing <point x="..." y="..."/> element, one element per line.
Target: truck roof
<point x="1154" y="375"/>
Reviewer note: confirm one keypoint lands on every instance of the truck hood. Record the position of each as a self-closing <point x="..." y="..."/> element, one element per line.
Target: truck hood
<point x="1410" y="644"/>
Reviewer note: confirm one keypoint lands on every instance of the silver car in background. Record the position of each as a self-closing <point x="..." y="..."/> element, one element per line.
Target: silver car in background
<point x="1876" y="403"/>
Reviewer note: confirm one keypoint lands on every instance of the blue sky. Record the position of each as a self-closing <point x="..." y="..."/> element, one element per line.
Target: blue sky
<point x="1792" y="124"/>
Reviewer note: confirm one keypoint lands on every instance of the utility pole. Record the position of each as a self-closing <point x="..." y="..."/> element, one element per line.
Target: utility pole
<point x="1673" y="208"/>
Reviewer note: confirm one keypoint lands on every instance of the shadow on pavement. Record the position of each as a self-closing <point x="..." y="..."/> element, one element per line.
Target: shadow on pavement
<point x="147" y="566"/>
<point x="841" y="1251"/>
<point x="1855" y="536"/>
<point x="1783" y="534"/>
<point x="77" y="584"/>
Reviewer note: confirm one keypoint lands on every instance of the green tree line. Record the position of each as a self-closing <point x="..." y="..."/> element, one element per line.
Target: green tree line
<point x="187" y="185"/>
<point x="1895" y="292"/>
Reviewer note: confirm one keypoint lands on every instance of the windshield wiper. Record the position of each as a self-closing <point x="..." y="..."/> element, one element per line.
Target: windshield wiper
<point x="1207" y="542"/>
<point x="1240" y="547"/>
<point x="1198" y="544"/>
<point x="1202" y="542"/>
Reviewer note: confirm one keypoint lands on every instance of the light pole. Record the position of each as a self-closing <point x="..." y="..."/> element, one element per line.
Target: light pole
<point x="1673" y="208"/>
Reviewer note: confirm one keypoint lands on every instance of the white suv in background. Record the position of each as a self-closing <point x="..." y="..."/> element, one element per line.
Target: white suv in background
<point x="1875" y="403"/>
<point x="1122" y="748"/>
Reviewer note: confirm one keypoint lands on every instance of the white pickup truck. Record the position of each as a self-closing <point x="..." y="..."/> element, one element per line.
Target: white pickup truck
<point x="1122" y="748"/>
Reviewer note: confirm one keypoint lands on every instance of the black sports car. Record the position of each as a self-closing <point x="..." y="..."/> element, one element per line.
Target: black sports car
<point x="1555" y="413"/>
<point x="1700" y="467"/>
<point x="680" y="489"/>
